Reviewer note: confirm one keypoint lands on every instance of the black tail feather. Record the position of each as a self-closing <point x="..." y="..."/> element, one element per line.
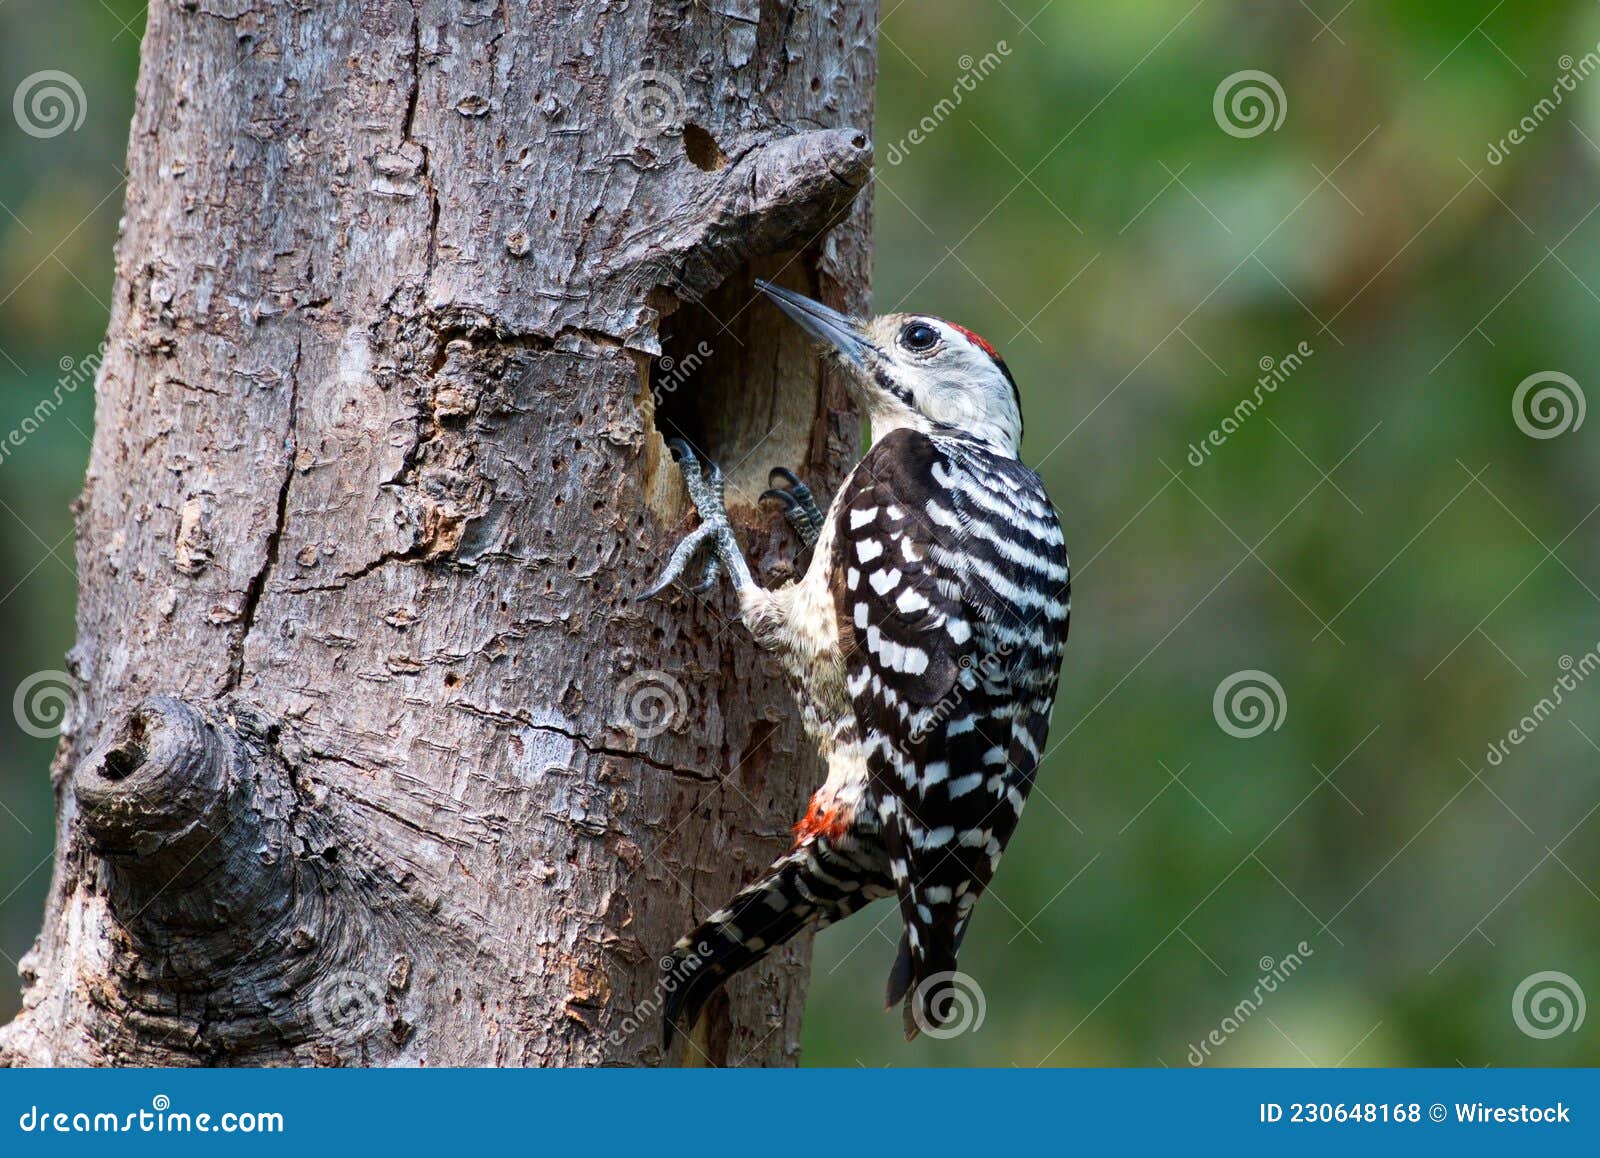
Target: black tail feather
<point x="923" y="981"/>
<point x="928" y="1004"/>
<point x="816" y="884"/>
<point x="900" y="977"/>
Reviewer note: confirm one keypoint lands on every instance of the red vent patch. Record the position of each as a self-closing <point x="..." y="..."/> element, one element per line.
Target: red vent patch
<point x="832" y="823"/>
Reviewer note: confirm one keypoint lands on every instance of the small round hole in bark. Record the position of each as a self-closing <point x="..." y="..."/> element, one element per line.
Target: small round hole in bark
<point x="122" y="762"/>
<point x="130" y="752"/>
<point x="702" y="149"/>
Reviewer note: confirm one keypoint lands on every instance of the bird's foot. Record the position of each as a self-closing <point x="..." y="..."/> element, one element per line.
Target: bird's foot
<point x="799" y="506"/>
<point x="714" y="536"/>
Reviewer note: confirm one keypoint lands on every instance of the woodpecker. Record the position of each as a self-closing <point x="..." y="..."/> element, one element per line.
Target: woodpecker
<point x="924" y="641"/>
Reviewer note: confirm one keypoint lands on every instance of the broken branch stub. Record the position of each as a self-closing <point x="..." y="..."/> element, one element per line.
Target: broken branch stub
<point x="779" y="195"/>
<point x="174" y="799"/>
<point x="237" y="939"/>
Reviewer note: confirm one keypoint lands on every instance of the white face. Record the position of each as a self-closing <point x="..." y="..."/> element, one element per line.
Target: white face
<point x="910" y="370"/>
<point x="922" y="370"/>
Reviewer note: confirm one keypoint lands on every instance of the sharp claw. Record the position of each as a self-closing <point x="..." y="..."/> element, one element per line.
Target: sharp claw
<point x="679" y="560"/>
<point x="800" y="505"/>
<point x="795" y="487"/>
<point x="654" y="589"/>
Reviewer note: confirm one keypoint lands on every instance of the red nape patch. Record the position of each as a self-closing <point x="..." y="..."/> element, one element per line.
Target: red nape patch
<point x="976" y="340"/>
<point x="819" y="821"/>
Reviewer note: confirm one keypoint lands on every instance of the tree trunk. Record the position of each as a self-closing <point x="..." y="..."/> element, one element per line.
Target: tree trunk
<point x="374" y="760"/>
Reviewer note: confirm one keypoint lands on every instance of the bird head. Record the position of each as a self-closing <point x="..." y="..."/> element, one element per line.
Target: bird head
<point x="913" y="370"/>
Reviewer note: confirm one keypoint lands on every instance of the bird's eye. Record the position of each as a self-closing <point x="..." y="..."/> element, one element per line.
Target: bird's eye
<point x="919" y="336"/>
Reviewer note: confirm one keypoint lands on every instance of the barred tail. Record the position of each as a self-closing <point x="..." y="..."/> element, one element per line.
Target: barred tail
<point x="819" y="882"/>
<point x="924" y="980"/>
<point x="936" y="921"/>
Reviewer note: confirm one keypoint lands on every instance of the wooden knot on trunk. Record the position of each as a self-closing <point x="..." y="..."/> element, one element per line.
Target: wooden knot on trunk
<point x="188" y="814"/>
<point x="239" y="931"/>
<point x="150" y="794"/>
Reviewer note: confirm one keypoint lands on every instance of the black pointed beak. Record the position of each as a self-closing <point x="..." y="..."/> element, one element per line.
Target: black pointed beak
<point x="828" y="326"/>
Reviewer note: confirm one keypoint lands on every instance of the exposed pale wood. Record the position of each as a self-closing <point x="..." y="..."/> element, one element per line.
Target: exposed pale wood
<point x="367" y="771"/>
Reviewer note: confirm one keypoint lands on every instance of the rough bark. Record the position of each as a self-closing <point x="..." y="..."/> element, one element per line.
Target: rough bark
<point x="375" y="760"/>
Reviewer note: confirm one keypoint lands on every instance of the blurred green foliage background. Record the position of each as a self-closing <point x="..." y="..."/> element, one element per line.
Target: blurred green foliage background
<point x="60" y="197"/>
<point x="1380" y="536"/>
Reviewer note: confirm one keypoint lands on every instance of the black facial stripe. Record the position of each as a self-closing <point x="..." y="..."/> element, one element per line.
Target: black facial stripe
<point x="885" y="380"/>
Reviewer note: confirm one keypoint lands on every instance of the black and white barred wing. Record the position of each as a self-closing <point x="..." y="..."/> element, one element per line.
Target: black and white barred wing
<point x="953" y="591"/>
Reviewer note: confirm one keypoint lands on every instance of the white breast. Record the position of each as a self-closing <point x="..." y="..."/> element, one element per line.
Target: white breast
<point x="798" y="621"/>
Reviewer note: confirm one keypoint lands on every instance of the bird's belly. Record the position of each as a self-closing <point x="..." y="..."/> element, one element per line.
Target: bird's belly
<point x="810" y="648"/>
